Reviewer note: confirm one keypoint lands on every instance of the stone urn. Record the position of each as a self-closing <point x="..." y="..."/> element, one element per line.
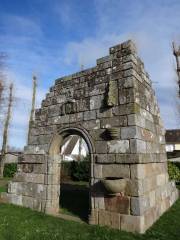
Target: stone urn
<point x="113" y="132"/>
<point x="115" y="186"/>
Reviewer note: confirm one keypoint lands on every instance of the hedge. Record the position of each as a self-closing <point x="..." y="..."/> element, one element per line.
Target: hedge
<point x="75" y="170"/>
<point x="10" y="170"/>
<point x="174" y="171"/>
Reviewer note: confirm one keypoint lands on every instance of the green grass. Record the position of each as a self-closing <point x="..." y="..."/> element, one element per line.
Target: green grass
<point x="18" y="223"/>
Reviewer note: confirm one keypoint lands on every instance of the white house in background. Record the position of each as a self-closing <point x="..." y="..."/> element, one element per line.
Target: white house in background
<point x="173" y="142"/>
<point x="74" y="148"/>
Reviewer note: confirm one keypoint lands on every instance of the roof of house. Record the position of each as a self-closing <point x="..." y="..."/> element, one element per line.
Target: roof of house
<point x="172" y="136"/>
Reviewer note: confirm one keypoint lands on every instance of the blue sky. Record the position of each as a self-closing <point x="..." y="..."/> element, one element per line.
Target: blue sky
<point x="52" y="38"/>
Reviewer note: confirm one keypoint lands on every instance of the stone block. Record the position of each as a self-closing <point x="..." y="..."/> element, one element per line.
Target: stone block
<point x="101" y="146"/>
<point x="130" y="132"/>
<point x="109" y="122"/>
<point x="33" y="150"/>
<point x="89" y="115"/>
<point x="52" y="179"/>
<point x="37" y="204"/>
<point x="83" y="105"/>
<point x="149" y="184"/>
<point x="137" y="146"/>
<point x="139" y="205"/>
<point x="128" y="82"/>
<point x="29" y="177"/>
<point x="152" y="198"/>
<point x="135" y="187"/>
<point x="99" y="202"/>
<point x="28" y="202"/>
<point x="99" y="89"/>
<point x="15" y="188"/>
<point x="53" y="110"/>
<point x="136" y="119"/>
<point x="98" y="171"/>
<point x="118" y="146"/>
<point x="105" y="158"/>
<point x="161" y="179"/>
<point x="104" y="113"/>
<point x="76" y="117"/>
<point x="150" y="217"/>
<point x="96" y="102"/>
<point x="93" y="217"/>
<point x="109" y="219"/>
<point x="53" y="168"/>
<point x="138" y="171"/>
<point x="26" y="168"/>
<point x="112" y="96"/>
<point x="13" y="198"/>
<point x="116" y="171"/>
<point x="53" y="192"/>
<point x="118" y="204"/>
<point x="123" y="158"/>
<point x="92" y="124"/>
<point x="122" y="121"/>
<point x="39" y="168"/>
<point x="131" y="223"/>
<point x="34" y="190"/>
<point x="122" y="96"/>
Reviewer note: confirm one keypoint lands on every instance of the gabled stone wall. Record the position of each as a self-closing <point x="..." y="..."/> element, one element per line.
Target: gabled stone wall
<point x="114" y="96"/>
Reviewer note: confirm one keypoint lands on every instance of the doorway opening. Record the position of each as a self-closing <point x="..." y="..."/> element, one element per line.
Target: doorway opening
<point x="75" y="176"/>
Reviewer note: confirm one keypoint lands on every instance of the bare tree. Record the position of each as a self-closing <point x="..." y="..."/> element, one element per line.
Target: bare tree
<point x="176" y="52"/>
<point x="3" y="57"/>
<point x="31" y="119"/>
<point x="1" y="90"/>
<point x="6" y="127"/>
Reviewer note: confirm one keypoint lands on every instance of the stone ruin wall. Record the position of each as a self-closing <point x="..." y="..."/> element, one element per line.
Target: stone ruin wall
<point x="117" y="92"/>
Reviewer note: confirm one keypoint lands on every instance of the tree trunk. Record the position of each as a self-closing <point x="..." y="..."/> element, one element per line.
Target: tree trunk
<point x="31" y="119"/>
<point x="5" y="134"/>
<point x="176" y="53"/>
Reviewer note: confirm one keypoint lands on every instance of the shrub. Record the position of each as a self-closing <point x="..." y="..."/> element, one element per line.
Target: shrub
<point x="10" y="169"/>
<point x="75" y="170"/>
<point x="174" y="171"/>
<point x="80" y="171"/>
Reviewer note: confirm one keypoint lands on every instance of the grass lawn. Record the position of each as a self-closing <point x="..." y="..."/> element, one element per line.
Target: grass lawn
<point x="18" y="223"/>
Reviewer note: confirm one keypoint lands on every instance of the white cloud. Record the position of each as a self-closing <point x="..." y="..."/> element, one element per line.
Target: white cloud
<point x="89" y="49"/>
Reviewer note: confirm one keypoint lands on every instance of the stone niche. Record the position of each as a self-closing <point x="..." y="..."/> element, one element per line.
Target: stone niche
<point x="113" y="107"/>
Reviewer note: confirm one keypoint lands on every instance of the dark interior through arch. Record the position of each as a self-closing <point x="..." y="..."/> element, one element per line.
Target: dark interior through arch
<point x="75" y="175"/>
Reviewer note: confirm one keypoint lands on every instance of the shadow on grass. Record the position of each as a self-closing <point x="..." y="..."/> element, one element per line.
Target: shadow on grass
<point x="74" y="200"/>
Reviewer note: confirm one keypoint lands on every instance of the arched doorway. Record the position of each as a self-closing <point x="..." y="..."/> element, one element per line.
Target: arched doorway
<point x="75" y="150"/>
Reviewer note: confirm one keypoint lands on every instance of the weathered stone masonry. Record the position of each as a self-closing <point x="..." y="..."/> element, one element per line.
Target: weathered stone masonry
<point x="116" y="93"/>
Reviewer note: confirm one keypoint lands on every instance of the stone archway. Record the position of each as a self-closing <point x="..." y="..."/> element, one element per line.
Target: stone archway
<point x="113" y="104"/>
<point x="54" y="161"/>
